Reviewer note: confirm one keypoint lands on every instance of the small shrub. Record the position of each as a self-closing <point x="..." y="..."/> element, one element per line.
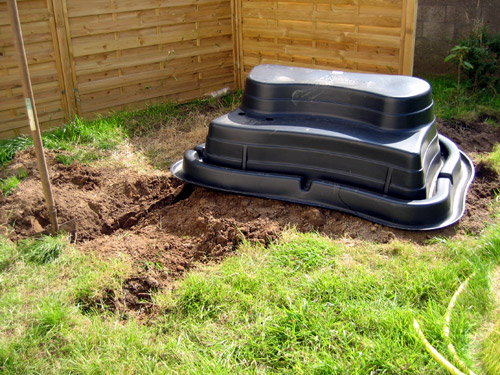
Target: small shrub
<point x="477" y="55"/>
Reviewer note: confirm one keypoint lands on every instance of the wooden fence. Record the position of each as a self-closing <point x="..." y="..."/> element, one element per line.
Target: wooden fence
<point x="92" y="56"/>
<point x="350" y="35"/>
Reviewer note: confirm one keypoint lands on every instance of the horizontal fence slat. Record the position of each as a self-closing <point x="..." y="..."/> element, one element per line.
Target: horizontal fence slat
<point x="94" y="103"/>
<point x="111" y="83"/>
<point x="29" y="11"/>
<point x="84" y="26"/>
<point x="348" y="37"/>
<point x="78" y="8"/>
<point x="114" y="62"/>
<point x="322" y="16"/>
<point x="31" y="34"/>
<point x="19" y="125"/>
<point x="37" y="76"/>
<point x="35" y="53"/>
<point x="86" y="48"/>
<point x="305" y="65"/>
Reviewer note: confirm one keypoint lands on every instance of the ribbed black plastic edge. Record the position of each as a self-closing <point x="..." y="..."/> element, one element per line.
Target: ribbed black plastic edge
<point x="444" y="208"/>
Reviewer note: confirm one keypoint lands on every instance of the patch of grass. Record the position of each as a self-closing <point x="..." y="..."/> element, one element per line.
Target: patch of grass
<point x="289" y="310"/>
<point x="7" y="185"/>
<point x="465" y="105"/>
<point x="91" y="291"/>
<point x="40" y="319"/>
<point x="9" y="147"/>
<point x="494" y="158"/>
<point x="305" y="305"/>
<point x="8" y="253"/>
<point x="103" y="133"/>
<point x="490" y="354"/>
<point x="80" y="155"/>
<point x="42" y="250"/>
<point x="87" y="141"/>
<point x="82" y="140"/>
<point x="162" y="135"/>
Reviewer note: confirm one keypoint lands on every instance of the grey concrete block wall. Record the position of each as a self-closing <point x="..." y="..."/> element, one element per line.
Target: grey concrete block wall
<point x="441" y="22"/>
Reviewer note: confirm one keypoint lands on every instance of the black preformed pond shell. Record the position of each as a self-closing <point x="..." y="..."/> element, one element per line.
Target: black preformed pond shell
<point x="365" y="144"/>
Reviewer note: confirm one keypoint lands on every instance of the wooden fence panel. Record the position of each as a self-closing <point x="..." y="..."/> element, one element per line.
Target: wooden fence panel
<point x="357" y="35"/>
<point x="126" y="52"/>
<point x="38" y="25"/>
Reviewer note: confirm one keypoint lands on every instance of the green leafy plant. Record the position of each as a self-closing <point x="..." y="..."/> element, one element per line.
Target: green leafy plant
<point x="458" y="54"/>
<point x="477" y="55"/>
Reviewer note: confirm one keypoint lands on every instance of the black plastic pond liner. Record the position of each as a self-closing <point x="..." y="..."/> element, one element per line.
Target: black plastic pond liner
<point x="365" y="144"/>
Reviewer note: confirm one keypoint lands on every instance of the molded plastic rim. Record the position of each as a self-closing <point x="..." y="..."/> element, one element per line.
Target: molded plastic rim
<point x="445" y="207"/>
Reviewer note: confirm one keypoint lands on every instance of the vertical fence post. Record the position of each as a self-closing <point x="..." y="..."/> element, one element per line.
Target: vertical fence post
<point x="61" y="40"/>
<point x="237" y="44"/>
<point x="408" y="34"/>
<point x="31" y="113"/>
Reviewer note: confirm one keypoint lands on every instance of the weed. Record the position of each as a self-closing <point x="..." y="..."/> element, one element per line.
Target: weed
<point x="458" y="54"/>
<point x="477" y="54"/>
<point x="42" y="250"/>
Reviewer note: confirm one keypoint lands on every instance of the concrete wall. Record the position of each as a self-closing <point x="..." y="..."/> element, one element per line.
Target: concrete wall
<point x="441" y="22"/>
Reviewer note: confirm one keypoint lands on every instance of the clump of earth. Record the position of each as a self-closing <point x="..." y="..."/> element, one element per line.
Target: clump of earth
<point x="167" y="226"/>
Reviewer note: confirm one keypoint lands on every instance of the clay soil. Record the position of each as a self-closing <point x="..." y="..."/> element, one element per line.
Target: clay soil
<point x="166" y="226"/>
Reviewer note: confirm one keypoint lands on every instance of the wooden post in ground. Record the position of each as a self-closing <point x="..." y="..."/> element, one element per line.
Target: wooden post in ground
<point x="31" y="113"/>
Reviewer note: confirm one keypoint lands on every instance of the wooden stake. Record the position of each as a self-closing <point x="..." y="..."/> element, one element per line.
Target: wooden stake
<point x="31" y="113"/>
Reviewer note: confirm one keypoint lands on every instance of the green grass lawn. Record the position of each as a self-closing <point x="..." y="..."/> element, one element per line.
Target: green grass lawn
<point x="305" y="305"/>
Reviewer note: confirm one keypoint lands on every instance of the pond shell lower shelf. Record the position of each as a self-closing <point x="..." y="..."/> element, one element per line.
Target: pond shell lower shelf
<point x="365" y="144"/>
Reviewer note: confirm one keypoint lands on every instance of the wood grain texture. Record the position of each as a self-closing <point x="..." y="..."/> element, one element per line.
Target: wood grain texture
<point x="360" y="35"/>
<point x="46" y="76"/>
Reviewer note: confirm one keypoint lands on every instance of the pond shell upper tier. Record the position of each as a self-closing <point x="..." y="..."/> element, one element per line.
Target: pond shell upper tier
<point x="365" y="144"/>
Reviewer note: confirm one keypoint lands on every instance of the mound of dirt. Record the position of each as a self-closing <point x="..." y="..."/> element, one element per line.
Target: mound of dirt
<point x="166" y="226"/>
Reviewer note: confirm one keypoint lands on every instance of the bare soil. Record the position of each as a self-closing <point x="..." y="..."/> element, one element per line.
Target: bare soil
<point x="166" y="226"/>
